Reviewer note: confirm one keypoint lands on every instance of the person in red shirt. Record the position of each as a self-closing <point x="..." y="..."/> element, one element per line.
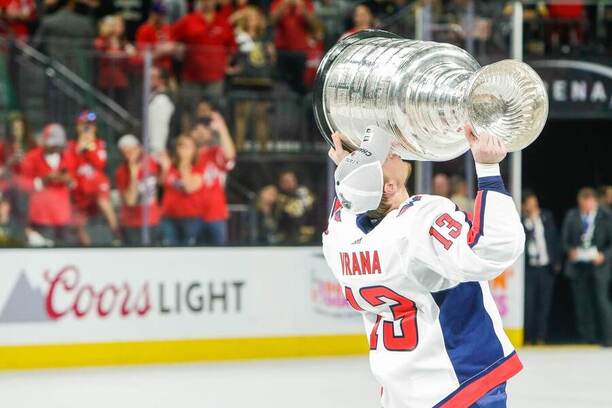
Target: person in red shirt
<point x="566" y="9"/>
<point x="92" y="192"/>
<point x="208" y="41"/>
<point x="292" y="19"/>
<point x="137" y="184"/>
<point x="18" y="14"/>
<point x="216" y="160"/>
<point x="567" y="26"/>
<point x="47" y="173"/>
<point x="314" y="53"/>
<point x="363" y="19"/>
<point x="115" y="55"/>
<point x="183" y="180"/>
<point x="156" y="34"/>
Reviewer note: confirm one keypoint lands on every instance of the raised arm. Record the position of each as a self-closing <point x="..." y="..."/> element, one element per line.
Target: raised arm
<point x="481" y="249"/>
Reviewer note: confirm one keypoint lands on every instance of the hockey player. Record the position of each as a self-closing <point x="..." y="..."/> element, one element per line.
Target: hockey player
<point x="417" y="270"/>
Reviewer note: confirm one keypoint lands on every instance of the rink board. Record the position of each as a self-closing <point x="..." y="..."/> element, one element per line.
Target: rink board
<point x="66" y="307"/>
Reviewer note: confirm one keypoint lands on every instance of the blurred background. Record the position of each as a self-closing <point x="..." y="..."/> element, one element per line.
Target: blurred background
<point x="177" y="123"/>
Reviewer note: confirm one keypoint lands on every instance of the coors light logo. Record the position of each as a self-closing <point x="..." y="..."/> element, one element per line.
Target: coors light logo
<point x="68" y="294"/>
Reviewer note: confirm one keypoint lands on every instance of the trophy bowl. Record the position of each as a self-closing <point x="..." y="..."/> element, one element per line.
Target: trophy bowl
<point x="423" y="93"/>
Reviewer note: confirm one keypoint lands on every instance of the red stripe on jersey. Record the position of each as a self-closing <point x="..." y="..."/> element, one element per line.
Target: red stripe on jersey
<point x="477" y="389"/>
<point x="476" y="231"/>
<point x="337" y="205"/>
<point x="348" y="294"/>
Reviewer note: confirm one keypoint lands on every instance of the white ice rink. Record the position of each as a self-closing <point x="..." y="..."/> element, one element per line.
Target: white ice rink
<point x="559" y="378"/>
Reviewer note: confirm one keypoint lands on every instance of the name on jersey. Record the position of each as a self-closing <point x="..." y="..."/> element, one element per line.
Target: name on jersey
<point x="360" y="263"/>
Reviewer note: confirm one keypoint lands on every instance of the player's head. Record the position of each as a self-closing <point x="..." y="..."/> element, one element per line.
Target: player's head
<point x="396" y="173"/>
<point x="372" y="178"/>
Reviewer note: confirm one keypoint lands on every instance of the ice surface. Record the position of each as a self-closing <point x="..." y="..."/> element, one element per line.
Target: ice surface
<point x="560" y="378"/>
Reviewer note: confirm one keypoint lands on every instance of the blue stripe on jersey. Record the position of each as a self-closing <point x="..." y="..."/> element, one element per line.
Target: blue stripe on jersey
<point x="467" y="328"/>
<point x="492" y="183"/>
<point x="365" y="223"/>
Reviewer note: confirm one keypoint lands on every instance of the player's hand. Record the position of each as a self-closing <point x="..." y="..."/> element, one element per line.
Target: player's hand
<point x="337" y="153"/>
<point x="486" y="148"/>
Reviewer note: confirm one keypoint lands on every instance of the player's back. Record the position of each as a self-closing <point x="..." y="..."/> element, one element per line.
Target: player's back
<point x="435" y="335"/>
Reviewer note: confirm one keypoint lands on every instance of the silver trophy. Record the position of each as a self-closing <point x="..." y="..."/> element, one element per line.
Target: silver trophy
<point x="423" y="93"/>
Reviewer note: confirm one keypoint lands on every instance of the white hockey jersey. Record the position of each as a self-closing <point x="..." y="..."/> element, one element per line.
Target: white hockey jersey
<point x="419" y="278"/>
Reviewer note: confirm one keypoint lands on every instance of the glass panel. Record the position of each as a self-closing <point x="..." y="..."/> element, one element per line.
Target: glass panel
<point x="254" y="78"/>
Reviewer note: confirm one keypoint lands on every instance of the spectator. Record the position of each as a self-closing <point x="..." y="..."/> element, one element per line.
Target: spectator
<point x="295" y="204"/>
<point x="12" y="151"/>
<point x="47" y="173"/>
<point x="251" y="77"/>
<point x="267" y="216"/>
<point x="605" y="197"/>
<point x="19" y="15"/>
<point x="11" y="232"/>
<point x="331" y="13"/>
<point x="156" y="34"/>
<point x="216" y="159"/>
<point x="137" y="184"/>
<point x="232" y="10"/>
<point x="114" y="54"/>
<point x="363" y="19"/>
<point x="175" y="9"/>
<point x="314" y="53"/>
<point x="161" y="109"/>
<point x="19" y="141"/>
<point x="203" y="110"/>
<point x="67" y="35"/>
<point x="587" y="238"/>
<point x="292" y="19"/>
<point x="441" y="185"/>
<point x="208" y="42"/>
<point x="92" y="190"/>
<point x="183" y="180"/>
<point x="459" y="194"/>
<point x="542" y="262"/>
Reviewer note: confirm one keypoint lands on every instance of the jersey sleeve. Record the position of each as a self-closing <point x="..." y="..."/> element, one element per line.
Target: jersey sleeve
<point x="461" y="250"/>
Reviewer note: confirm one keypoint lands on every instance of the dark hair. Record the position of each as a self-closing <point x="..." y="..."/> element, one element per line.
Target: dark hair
<point x="287" y="171"/>
<point x="527" y="194"/>
<point x="603" y="189"/>
<point x="27" y="142"/>
<point x="164" y="75"/>
<point x="182" y="138"/>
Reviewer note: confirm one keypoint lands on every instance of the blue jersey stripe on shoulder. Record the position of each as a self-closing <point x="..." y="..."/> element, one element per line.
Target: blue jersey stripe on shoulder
<point x="469" y="336"/>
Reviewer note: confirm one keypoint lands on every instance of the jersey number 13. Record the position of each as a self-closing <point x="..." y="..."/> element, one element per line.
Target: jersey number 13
<point x="402" y="309"/>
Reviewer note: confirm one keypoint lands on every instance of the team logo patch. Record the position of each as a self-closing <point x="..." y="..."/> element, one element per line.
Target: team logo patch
<point x="409" y="204"/>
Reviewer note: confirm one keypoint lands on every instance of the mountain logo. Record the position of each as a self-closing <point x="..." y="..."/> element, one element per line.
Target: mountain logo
<point x="25" y="304"/>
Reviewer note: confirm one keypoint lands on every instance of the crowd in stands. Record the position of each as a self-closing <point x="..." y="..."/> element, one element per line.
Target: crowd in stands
<point x="57" y="190"/>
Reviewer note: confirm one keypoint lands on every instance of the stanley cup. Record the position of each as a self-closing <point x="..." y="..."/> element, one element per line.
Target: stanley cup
<point x="423" y="93"/>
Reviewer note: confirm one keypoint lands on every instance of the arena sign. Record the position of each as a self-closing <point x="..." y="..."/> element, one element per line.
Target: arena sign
<point x="577" y="89"/>
<point x="135" y="305"/>
<point x="67" y="307"/>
